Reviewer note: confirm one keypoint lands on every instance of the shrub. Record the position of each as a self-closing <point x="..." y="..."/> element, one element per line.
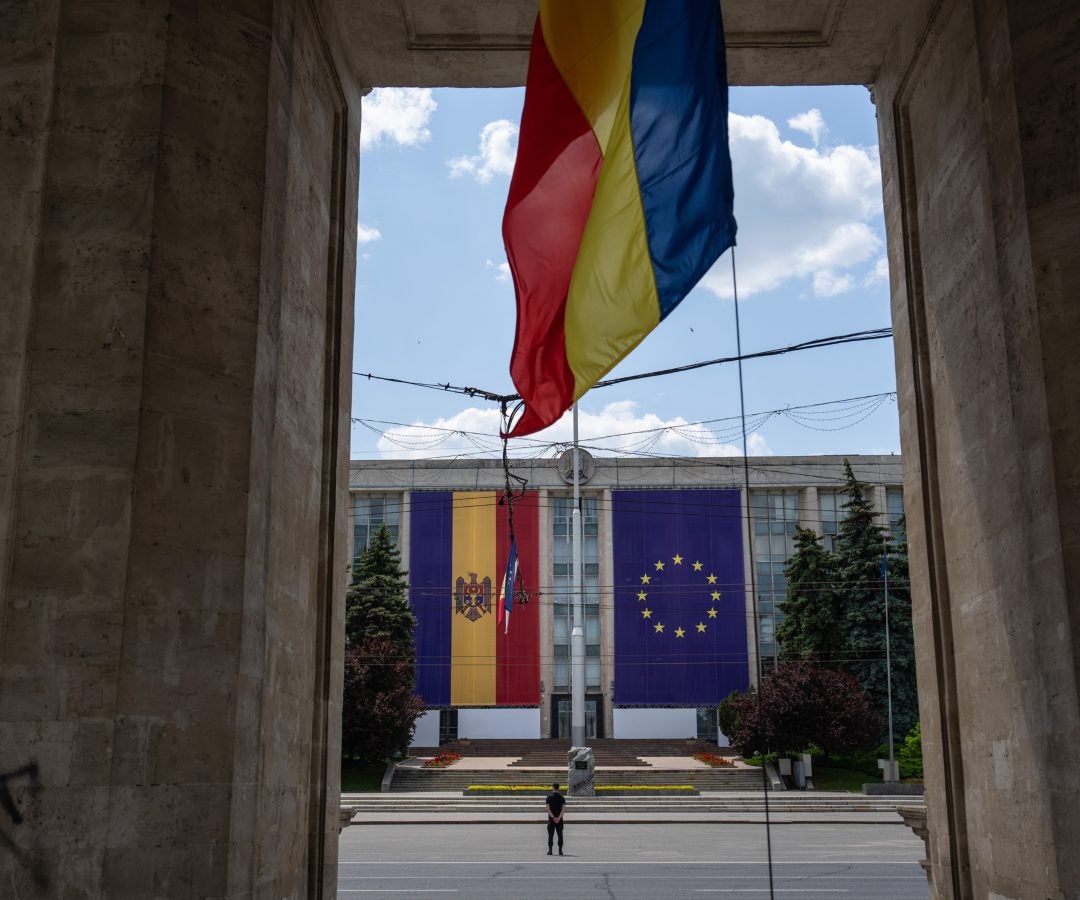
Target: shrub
<point x="910" y="755"/>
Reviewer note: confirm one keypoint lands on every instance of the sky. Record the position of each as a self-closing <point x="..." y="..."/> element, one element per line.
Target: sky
<point x="435" y="303"/>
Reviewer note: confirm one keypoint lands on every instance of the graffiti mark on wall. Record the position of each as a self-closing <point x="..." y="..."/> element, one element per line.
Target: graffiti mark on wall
<point x="27" y="776"/>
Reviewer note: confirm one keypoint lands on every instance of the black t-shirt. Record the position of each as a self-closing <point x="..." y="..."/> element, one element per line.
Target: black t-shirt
<point x="555" y="802"/>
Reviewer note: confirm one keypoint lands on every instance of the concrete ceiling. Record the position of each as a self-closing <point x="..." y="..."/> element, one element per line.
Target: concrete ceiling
<point x="484" y="43"/>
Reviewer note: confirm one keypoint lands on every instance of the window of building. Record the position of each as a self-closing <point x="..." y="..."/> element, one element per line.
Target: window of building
<point x="563" y="585"/>
<point x="894" y="503"/>
<point x="369" y="512"/>
<point x="776" y="516"/>
<point x="833" y="506"/>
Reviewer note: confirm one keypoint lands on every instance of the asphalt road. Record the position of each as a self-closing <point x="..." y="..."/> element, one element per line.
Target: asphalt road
<point x="627" y="862"/>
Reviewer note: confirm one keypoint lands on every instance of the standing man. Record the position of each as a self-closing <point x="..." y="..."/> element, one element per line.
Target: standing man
<point x="555" y="803"/>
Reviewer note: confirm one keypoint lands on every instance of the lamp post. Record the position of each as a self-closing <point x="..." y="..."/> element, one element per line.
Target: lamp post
<point x="888" y="657"/>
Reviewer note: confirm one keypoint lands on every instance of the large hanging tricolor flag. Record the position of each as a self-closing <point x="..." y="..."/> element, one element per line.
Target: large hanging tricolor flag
<point x="621" y="197"/>
<point x="460" y="555"/>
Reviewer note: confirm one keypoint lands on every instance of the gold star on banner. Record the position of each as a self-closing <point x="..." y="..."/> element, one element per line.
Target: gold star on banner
<point x="677" y="559"/>
<point x="646" y="613"/>
<point x="659" y="566"/>
<point x="712" y="579"/>
<point x="712" y="613"/>
<point x="715" y="595"/>
<point x="658" y="628"/>
<point x="697" y="567"/>
<point x="701" y="627"/>
<point x="641" y="595"/>
<point x="645" y="579"/>
<point x="679" y="632"/>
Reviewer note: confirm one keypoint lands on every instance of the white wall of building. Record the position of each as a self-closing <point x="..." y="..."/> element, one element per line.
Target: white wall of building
<point x="655" y="723"/>
<point x="498" y="723"/>
<point x="427" y="730"/>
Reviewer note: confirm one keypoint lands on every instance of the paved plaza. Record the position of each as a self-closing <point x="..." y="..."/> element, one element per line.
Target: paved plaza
<point x="871" y="860"/>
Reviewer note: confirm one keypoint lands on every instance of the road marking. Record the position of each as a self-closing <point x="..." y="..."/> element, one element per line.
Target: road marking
<point x="627" y="862"/>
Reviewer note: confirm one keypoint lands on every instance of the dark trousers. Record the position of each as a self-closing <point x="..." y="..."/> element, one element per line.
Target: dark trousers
<point x="554" y="828"/>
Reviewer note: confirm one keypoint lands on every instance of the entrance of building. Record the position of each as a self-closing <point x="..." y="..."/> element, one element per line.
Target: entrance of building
<point x="561" y="712"/>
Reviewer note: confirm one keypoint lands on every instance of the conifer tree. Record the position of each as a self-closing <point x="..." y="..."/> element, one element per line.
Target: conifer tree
<point x="379" y="705"/>
<point x="377" y="604"/>
<point x="812" y="626"/>
<point x="861" y="545"/>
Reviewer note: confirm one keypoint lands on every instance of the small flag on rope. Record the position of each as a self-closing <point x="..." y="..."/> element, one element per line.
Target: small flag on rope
<point x="502" y="613"/>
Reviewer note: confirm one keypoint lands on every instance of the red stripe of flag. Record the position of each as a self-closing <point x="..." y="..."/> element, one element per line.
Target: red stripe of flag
<point x="551" y="193"/>
<point x="517" y="672"/>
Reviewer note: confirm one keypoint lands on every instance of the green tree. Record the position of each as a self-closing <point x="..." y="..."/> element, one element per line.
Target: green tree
<point x="379" y="708"/>
<point x="813" y="613"/>
<point x="377" y="604"/>
<point x="861" y="546"/>
<point x="727" y="716"/>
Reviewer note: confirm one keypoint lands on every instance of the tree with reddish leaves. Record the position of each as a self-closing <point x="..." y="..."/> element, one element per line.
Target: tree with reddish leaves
<point x="379" y="706"/>
<point x="800" y="705"/>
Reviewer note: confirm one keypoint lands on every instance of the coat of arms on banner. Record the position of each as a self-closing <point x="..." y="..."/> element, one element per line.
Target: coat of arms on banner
<point x="473" y="598"/>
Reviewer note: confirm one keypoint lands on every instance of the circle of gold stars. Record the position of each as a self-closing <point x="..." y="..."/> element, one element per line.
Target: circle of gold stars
<point x="714" y="594"/>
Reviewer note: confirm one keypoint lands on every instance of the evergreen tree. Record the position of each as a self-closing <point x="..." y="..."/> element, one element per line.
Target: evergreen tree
<point x="861" y="544"/>
<point x="377" y="604"/>
<point x="812" y="625"/>
<point x="905" y="693"/>
<point x="379" y="706"/>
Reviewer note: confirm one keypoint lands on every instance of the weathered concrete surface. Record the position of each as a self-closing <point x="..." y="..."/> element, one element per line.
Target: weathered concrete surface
<point x="179" y="188"/>
<point x="980" y="142"/>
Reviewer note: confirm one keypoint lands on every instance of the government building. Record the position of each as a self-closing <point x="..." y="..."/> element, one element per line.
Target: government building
<point x="670" y="564"/>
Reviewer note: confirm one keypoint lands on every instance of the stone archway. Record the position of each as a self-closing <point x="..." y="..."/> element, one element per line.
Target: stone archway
<point x="179" y="189"/>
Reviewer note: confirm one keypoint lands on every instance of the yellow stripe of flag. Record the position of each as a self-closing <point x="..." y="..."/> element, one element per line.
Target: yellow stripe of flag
<point x="472" y="641"/>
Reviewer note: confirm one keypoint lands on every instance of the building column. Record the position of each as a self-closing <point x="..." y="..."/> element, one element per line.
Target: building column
<point x="979" y="125"/>
<point x="179" y="197"/>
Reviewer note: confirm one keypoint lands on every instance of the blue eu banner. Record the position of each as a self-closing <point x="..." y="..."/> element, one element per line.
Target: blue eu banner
<point x="680" y="600"/>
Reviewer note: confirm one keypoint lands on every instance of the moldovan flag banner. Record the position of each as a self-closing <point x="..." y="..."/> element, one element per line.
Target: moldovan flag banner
<point x="680" y="599"/>
<point x="621" y="197"/>
<point x="459" y="549"/>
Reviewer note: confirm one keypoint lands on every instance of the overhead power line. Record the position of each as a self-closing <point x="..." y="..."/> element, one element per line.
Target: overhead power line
<point x="873" y="334"/>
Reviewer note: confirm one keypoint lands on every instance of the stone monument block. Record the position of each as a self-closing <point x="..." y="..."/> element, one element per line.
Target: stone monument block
<point x="580" y="777"/>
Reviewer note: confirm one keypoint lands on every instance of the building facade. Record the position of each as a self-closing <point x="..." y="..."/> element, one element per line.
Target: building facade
<point x="670" y="563"/>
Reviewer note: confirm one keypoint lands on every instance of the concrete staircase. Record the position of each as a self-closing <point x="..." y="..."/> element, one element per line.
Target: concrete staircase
<point x="373" y="806"/>
<point x="451" y="779"/>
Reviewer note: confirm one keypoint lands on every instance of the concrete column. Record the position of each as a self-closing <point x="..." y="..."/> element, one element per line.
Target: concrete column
<point x="178" y="190"/>
<point x="979" y="128"/>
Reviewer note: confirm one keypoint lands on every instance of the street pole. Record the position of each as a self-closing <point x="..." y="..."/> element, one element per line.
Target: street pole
<point x="577" y="634"/>
<point x="888" y="659"/>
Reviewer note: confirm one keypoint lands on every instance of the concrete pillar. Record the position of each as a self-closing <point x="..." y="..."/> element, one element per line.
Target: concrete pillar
<point x="979" y="127"/>
<point x="178" y="187"/>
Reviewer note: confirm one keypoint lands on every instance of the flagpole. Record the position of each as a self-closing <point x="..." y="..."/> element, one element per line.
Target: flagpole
<point x="888" y="661"/>
<point x="577" y="634"/>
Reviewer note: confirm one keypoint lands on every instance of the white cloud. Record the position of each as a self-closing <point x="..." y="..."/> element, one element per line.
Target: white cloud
<point x="397" y="116"/>
<point x="879" y="274"/>
<point x="616" y="428"/>
<point x="502" y="270"/>
<point x="811" y="122"/>
<point x="365" y="234"/>
<point x="828" y="284"/>
<point x="497" y="151"/>
<point x="801" y="210"/>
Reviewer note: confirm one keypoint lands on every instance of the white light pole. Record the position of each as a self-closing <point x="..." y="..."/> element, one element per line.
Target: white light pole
<point x="888" y="657"/>
<point x="577" y="634"/>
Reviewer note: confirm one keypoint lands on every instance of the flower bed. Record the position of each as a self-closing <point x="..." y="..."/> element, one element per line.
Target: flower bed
<point x="711" y="759"/>
<point x="442" y="760"/>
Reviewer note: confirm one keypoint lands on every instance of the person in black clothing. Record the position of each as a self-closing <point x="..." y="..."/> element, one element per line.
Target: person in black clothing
<point x="555" y="803"/>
